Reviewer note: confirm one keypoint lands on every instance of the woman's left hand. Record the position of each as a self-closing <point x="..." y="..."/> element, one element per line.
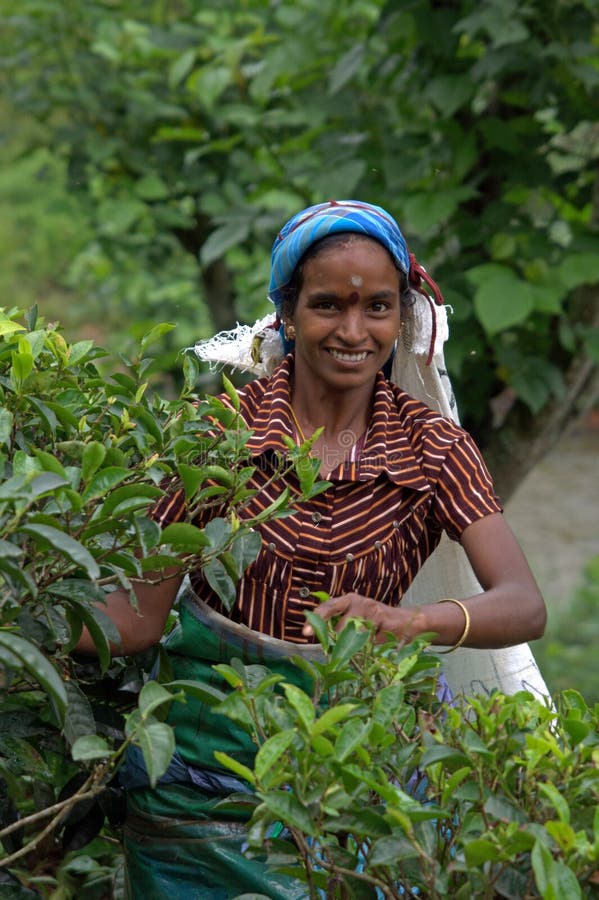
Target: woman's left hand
<point x="509" y="610"/>
<point x="403" y="624"/>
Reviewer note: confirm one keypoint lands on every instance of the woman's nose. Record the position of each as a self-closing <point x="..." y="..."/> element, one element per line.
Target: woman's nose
<point x="351" y="326"/>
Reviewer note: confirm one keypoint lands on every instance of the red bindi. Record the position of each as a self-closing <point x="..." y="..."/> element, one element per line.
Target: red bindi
<point x="354" y="297"/>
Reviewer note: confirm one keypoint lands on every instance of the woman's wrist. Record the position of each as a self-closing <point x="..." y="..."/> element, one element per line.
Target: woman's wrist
<point x="405" y="624"/>
<point x="466" y="630"/>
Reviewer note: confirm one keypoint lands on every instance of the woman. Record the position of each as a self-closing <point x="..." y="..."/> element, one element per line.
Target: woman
<point x="400" y="477"/>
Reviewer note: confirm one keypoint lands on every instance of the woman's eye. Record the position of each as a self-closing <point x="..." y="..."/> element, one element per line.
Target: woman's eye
<point x="379" y="306"/>
<point x="325" y="304"/>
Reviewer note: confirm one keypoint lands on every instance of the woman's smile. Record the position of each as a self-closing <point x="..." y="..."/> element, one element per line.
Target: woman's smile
<point x="344" y="356"/>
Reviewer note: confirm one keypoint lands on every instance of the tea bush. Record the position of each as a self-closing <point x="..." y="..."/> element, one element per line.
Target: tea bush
<point x="386" y="792"/>
<point x="83" y="456"/>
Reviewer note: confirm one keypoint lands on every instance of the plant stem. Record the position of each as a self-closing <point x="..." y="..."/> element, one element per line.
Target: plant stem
<point x="59" y="808"/>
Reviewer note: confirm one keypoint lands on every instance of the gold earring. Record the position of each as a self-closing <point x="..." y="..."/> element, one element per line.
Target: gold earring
<point x="289" y="332"/>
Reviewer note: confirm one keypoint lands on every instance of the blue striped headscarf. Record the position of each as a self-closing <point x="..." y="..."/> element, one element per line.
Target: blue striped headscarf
<point x="333" y="217"/>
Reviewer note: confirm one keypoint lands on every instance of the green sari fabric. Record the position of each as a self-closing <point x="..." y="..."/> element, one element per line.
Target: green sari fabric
<point x="203" y="639"/>
<point x="180" y="842"/>
<point x="178" y="847"/>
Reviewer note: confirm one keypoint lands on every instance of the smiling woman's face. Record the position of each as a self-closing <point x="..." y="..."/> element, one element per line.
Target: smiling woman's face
<point x="347" y="315"/>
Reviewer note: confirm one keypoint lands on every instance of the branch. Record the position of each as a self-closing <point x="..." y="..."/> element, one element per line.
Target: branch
<point x="59" y="808"/>
<point x="334" y="869"/>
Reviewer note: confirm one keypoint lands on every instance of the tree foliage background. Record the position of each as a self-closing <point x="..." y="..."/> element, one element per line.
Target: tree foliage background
<point x="189" y="131"/>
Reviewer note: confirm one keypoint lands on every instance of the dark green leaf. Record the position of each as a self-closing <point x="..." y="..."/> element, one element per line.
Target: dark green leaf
<point x="7" y="548"/>
<point x="387" y="851"/>
<point x="17" y="575"/>
<point x="220" y="582"/>
<point x="480" y="851"/>
<point x="447" y="755"/>
<point x="51" y="464"/>
<point x="104" y="481"/>
<point x="148" y="533"/>
<point x="191" y="371"/>
<point x="155" y="333"/>
<point x="502" y="299"/>
<point x="157" y="743"/>
<point x="580" y="268"/>
<point x="320" y="629"/>
<point x="352" y="639"/>
<point x="245" y="548"/>
<point x="64" y="545"/>
<point x="284" y="806"/>
<point x="152" y="697"/>
<point x="221" y="240"/>
<point x="353" y="734"/>
<point x="218" y="532"/>
<point x="38" y="667"/>
<point x="271" y="751"/>
<point x="77" y="589"/>
<point x="192" y="478"/>
<point x="576" y="730"/>
<point x="181" y="67"/>
<point x="92" y="458"/>
<point x="346" y="67"/>
<point x="301" y="703"/>
<point x="102" y="631"/>
<point x="45" y="484"/>
<point x="79" y="351"/>
<point x="186" y="537"/>
<point x="79" y="718"/>
<point x="557" y="801"/>
<point x="6" y="425"/>
<point x="46" y="412"/>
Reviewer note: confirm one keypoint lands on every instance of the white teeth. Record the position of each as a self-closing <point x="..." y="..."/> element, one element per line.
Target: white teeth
<point x="348" y="357"/>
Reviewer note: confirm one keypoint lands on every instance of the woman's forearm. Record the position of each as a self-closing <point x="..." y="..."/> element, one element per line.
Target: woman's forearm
<point x="139" y="628"/>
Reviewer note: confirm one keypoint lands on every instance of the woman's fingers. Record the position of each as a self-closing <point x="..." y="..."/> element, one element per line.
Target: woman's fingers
<point x="327" y="610"/>
<point x="346" y="607"/>
<point x="403" y="624"/>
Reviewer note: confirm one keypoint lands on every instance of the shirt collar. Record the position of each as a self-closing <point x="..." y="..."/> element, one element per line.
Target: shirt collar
<point x="380" y="455"/>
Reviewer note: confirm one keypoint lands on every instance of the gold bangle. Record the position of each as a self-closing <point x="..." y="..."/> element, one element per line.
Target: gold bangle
<point x="466" y="630"/>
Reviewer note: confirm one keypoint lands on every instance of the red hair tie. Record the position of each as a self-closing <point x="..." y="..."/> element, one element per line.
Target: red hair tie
<point x="418" y="274"/>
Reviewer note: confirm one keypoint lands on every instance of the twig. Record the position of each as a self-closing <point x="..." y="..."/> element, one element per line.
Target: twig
<point x="60" y="808"/>
<point x="333" y="868"/>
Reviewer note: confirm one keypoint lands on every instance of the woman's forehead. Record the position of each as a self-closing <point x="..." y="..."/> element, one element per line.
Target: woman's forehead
<point x="355" y="261"/>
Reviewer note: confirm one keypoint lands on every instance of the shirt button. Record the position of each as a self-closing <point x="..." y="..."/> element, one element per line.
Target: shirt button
<point x="377" y="545"/>
<point x="304" y="592"/>
<point x="272" y="546"/>
<point x="316" y="517"/>
<point x="349" y="557"/>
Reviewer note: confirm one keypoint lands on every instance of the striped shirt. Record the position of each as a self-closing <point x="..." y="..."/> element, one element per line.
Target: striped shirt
<point x="418" y="474"/>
